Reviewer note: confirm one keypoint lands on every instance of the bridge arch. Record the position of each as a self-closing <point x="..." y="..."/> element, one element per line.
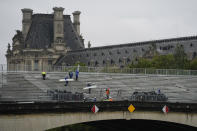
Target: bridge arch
<point x="44" y="121"/>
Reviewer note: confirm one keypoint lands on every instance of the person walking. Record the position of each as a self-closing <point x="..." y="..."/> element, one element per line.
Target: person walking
<point x="66" y="79"/>
<point x="107" y="93"/>
<point x="71" y="74"/>
<point x="43" y="75"/>
<point x="76" y="74"/>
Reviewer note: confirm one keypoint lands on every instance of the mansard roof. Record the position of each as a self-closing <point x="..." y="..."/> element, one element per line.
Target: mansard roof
<point x="40" y="34"/>
<point x="135" y="44"/>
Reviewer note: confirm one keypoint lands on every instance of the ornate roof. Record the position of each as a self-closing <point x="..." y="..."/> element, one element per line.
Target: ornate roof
<point x="40" y="34"/>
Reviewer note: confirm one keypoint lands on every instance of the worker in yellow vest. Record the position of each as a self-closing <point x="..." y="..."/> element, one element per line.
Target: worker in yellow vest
<point x="43" y="75"/>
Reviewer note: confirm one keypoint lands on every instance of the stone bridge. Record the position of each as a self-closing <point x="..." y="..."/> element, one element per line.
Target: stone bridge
<point x="42" y="116"/>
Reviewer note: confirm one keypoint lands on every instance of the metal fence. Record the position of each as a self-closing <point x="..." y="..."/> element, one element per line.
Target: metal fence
<point x="63" y="95"/>
<point x="142" y="71"/>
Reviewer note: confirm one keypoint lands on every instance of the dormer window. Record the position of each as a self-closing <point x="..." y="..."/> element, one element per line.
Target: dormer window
<point x="112" y="61"/>
<point x="128" y="60"/>
<point x="120" y="61"/>
<point x="96" y="63"/>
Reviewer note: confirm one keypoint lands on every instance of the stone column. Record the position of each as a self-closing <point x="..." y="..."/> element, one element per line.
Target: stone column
<point x="26" y="22"/>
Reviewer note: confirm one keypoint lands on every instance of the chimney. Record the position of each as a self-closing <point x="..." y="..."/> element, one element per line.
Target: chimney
<point x="26" y="22"/>
<point x="76" y="21"/>
<point x="58" y="24"/>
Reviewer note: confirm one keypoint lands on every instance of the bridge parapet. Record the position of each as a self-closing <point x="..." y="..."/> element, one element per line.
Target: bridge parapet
<point x="48" y="115"/>
<point x="54" y="107"/>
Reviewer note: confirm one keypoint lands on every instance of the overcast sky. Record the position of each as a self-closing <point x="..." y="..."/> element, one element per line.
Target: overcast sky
<point x="107" y="22"/>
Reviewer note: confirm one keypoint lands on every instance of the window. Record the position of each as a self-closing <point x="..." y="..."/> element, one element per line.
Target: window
<point x="88" y="63"/>
<point x="110" y="53"/>
<point x="87" y="55"/>
<point x="128" y="60"/>
<point x="102" y="54"/>
<point x="95" y="54"/>
<point x="126" y="51"/>
<point x="112" y="61"/>
<point x="103" y="62"/>
<point x="50" y="62"/>
<point x="36" y="65"/>
<point x="120" y="61"/>
<point x="194" y="55"/>
<point x="96" y="63"/>
<point x="191" y="45"/>
<point x="118" y="52"/>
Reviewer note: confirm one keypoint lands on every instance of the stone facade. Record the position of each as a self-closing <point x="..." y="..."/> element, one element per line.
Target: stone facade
<point x="53" y="39"/>
<point x="44" y="39"/>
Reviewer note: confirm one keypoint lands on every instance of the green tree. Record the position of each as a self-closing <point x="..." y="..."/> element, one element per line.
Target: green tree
<point x="163" y="62"/>
<point x="143" y="63"/>
<point x="193" y="64"/>
<point x="79" y="63"/>
<point x="180" y="57"/>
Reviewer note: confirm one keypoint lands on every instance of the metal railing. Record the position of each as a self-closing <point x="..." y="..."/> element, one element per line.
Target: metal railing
<point x="142" y="71"/>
